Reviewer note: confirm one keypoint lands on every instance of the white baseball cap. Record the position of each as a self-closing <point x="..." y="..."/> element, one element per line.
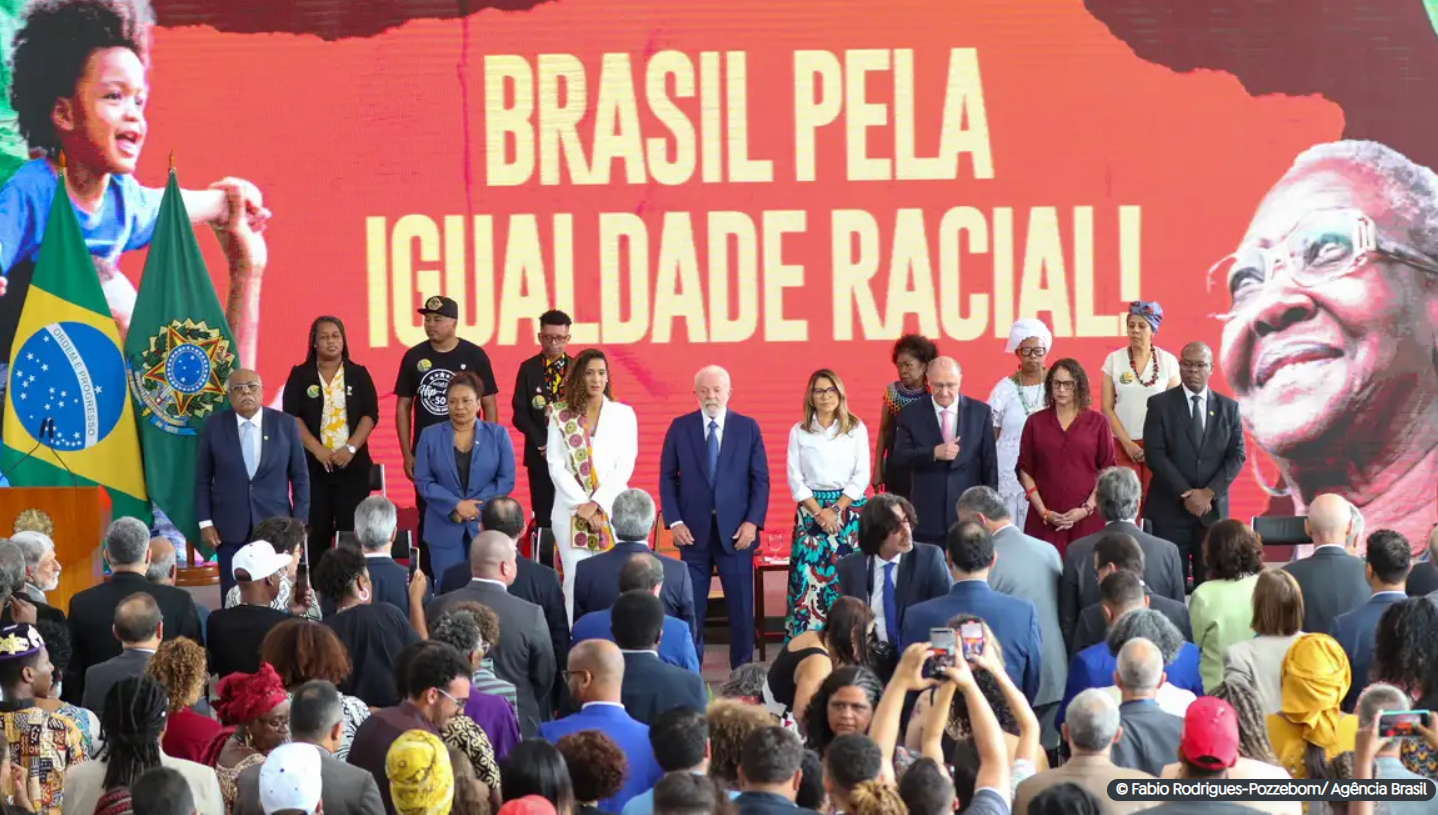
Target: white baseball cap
<point x="290" y="778"/>
<point x="259" y="560"/>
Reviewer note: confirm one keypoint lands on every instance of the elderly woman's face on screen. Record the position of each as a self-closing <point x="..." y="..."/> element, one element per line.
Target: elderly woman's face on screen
<point x="1299" y="355"/>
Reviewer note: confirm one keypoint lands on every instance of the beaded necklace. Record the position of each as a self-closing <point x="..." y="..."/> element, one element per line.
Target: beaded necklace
<point x="1153" y="360"/>
<point x="1023" y="400"/>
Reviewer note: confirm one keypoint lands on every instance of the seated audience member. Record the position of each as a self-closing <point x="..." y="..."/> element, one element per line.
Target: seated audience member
<point x="1149" y="735"/>
<point x="1277" y="622"/>
<point x="1423" y="578"/>
<point x="746" y="683"/>
<point x="92" y="611"/>
<point x="134" y="719"/>
<point x="525" y="654"/>
<point x="139" y="628"/>
<point x="471" y="796"/>
<point x="679" y="740"/>
<point x="730" y="724"/>
<point x="42" y="570"/>
<point x="436" y="684"/>
<point x="291" y="780"/>
<point x="164" y="569"/>
<point x="303" y="650"/>
<point x="256" y="712"/>
<point x="162" y="791"/>
<point x="690" y="794"/>
<point x="651" y="686"/>
<point x="643" y="572"/>
<point x="376" y="523"/>
<point x="1121" y="553"/>
<point x="1221" y="609"/>
<point x="1065" y="799"/>
<point x="1405" y="655"/>
<point x="13" y="587"/>
<point x="459" y="732"/>
<point x="1311" y="728"/>
<point x="317" y="719"/>
<point x="811" y="793"/>
<point x="179" y="666"/>
<point x="1331" y="578"/>
<point x="496" y="717"/>
<point x="1386" y="569"/>
<point x="57" y="644"/>
<point x="853" y="770"/>
<point x="419" y="776"/>
<point x="535" y="768"/>
<point x="808" y="659"/>
<point x="1091" y="730"/>
<point x="373" y="634"/>
<point x="235" y="633"/>
<point x="844" y="703"/>
<point x="596" y="681"/>
<point x="1377" y="699"/>
<point x="485" y="679"/>
<point x="43" y="745"/>
<point x="1255" y="754"/>
<point x="597" y="579"/>
<point x="287" y="537"/>
<point x="596" y="768"/>
<point x="890" y="566"/>
<point x="770" y="770"/>
<point x="926" y="789"/>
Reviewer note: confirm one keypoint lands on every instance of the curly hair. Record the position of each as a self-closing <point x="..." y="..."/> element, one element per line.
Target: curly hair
<point x="917" y="346"/>
<point x="179" y="665"/>
<point x="1150" y="625"/>
<point x="730" y="724"/>
<point x="876" y="797"/>
<point x="1252" y="720"/>
<point x="1232" y="550"/>
<point x="597" y="766"/>
<point x="1405" y="652"/>
<point x="57" y="643"/>
<point x="816" y="717"/>
<point x="337" y="572"/>
<point x="459" y="628"/>
<point x="1083" y="396"/>
<point x="487" y="619"/>
<point x="301" y="650"/>
<point x="573" y="392"/>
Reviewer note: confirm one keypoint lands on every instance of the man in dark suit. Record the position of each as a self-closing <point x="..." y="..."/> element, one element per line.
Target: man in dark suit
<point x="1332" y="580"/>
<point x="1193" y="444"/>
<point x="1118" y="495"/>
<point x="651" y="686"/>
<point x="1117" y="552"/>
<point x="251" y="464"/>
<point x="139" y="628"/>
<point x="890" y="572"/>
<point x="771" y="765"/>
<point x="1423" y="577"/>
<point x="537" y="386"/>
<point x="714" y="484"/>
<point x="1014" y="622"/>
<point x="946" y="441"/>
<point x="317" y="718"/>
<point x="1388" y="558"/>
<point x="376" y="524"/>
<point x="92" y="611"/>
<point x="524" y="654"/>
<point x="596" y="579"/>
<point x="1148" y="736"/>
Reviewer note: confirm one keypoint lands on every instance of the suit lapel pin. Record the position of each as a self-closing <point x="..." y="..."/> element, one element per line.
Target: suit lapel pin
<point x="267" y="438"/>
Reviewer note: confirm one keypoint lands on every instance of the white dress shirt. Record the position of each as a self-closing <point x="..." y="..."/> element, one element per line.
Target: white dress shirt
<point x="1202" y="405"/>
<point x="876" y="598"/>
<point x="823" y="459"/>
<point x="257" y="421"/>
<point x="719" y="420"/>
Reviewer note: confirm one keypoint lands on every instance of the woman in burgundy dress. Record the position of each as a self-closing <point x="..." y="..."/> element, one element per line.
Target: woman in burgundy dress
<point x="1061" y="451"/>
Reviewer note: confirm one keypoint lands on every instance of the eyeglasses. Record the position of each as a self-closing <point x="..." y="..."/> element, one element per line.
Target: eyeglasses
<point x="281" y="723"/>
<point x="554" y="339"/>
<point x="457" y="702"/>
<point x="826" y="392"/>
<point x="567" y="675"/>
<point x="1064" y="384"/>
<point x="1325" y="244"/>
<point x="244" y="387"/>
<point x="1037" y="351"/>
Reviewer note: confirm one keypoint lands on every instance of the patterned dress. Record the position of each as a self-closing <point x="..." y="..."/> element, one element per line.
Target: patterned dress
<point x="230" y="776"/>
<point x="896" y="398"/>
<point x="469" y="738"/>
<point x="44" y="744"/>
<point x="825" y="465"/>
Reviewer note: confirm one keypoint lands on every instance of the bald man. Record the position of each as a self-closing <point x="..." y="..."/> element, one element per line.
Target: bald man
<point x="714" y="485"/>
<point x="1332" y="579"/>
<point x="946" y="440"/>
<point x="250" y="467"/>
<point x="139" y="627"/>
<point x="1193" y="445"/>
<point x="596" y="682"/>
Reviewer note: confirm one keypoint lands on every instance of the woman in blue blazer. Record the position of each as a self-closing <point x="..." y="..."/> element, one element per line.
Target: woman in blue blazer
<point x="458" y="465"/>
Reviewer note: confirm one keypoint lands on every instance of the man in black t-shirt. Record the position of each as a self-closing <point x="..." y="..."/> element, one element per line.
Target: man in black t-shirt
<point x="423" y="381"/>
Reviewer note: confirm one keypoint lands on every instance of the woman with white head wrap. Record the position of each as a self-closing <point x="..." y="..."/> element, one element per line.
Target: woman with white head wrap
<point x="1012" y="400"/>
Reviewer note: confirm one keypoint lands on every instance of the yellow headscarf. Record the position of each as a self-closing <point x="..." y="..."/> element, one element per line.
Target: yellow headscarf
<point x="1316" y="677"/>
<point x="421" y="780"/>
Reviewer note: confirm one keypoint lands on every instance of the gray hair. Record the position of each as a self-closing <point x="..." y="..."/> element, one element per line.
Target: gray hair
<point x="459" y="628"/>
<point x="1092" y="720"/>
<point x="12" y="570"/>
<point x="633" y="515"/>
<point x="33" y="545"/>
<point x="1118" y="494"/>
<point x="1377" y="699"/>
<point x="1140" y="665"/>
<point x="126" y="542"/>
<point x="745" y="681"/>
<point x="1145" y="623"/>
<point x="375" y="522"/>
<point x="984" y="501"/>
<point x="238" y="371"/>
<point x="162" y="560"/>
<point x="1409" y="189"/>
<point x="315" y="709"/>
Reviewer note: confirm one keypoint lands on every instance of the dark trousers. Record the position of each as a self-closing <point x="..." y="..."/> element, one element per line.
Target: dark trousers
<point x="224" y="557"/>
<point x="419" y="506"/>
<point x="736" y="576"/>
<point x="333" y="499"/>
<point x="541" y="496"/>
<point x="1188" y="537"/>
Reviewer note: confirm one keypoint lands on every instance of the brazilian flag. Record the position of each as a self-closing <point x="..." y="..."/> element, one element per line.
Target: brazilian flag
<point x="179" y="352"/>
<point x="68" y="418"/>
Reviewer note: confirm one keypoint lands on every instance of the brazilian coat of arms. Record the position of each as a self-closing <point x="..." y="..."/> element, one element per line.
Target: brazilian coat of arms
<point x="180" y="377"/>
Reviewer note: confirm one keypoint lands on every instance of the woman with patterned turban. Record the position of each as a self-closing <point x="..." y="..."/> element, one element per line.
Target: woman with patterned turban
<point x="1130" y="376"/>
<point x="1311" y="729"/>
<point x="421" y="777"/>
<point x="1015" y="398"/>
<point x="256" y="713"/>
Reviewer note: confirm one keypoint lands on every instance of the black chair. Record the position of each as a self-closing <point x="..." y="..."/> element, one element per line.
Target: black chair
<point x="1147" y="526"/>
<point x="1286" y="530"/>
<point x="376" y="479"/>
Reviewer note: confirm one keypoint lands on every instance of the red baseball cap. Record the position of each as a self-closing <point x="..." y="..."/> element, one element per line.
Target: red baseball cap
<point x="528" y="805"/>
<point x="1210" y="734"/>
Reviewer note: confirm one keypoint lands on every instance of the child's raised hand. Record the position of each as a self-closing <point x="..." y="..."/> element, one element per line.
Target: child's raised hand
<point x="256" y="216"/>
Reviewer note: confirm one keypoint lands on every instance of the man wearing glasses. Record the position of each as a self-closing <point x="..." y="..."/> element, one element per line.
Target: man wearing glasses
<point x="536" y="387"/>
<point x="251" y="466"/>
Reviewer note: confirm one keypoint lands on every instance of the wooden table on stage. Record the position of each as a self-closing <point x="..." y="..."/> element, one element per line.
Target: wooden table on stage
<point x="81" y="515"/>
<point x="771" y="557"/>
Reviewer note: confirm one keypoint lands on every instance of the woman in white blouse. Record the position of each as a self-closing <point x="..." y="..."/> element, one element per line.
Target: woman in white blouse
<point x="828" y="469"/>
<point x="1130" y="376"/>
<point x="1012" y="401"/>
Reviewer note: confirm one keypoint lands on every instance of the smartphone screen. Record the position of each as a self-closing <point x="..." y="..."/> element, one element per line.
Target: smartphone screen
<point x="1401" y="724"/>
<point x="972" y="635"/>
<point x="945" y="646"/>
<point x="413" y="560"/>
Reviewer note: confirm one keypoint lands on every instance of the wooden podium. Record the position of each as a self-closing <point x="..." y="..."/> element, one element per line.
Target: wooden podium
<point x="81" y="515"/>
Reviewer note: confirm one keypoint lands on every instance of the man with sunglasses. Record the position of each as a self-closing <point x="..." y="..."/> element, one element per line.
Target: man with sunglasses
<point x="251" y="466"/>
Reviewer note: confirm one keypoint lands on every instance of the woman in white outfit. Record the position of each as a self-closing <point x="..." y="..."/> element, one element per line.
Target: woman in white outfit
<point x="1012" y="401"/>
<point x="592" y="444"/>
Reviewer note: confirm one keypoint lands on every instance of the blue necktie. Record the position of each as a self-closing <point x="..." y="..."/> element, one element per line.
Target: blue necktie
<point x="711" y="446"/>
<point x="247" y="447"/>
<point x="891" y="606"/>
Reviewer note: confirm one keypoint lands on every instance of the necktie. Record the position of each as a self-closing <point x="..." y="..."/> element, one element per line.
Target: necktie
<point x="1195" y="424"/>
<point x="891" y="606"/>
<point x="947" y="425"/>
<point x="711" y="446"/>
<point x="248" y="447"/>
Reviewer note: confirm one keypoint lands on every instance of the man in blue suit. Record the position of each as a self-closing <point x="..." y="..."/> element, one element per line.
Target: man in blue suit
<point x="642" y="572"/>
<point x="1388" y="561"/>
<point x="714" y="484"/>
<point x="251" y="466"/>
<point x="1014" y="622"/>
<point x="890" y="572"/>
<point x="596" y="579"/>
<point x="946" y="440"/>
<point x="596" y="682"/>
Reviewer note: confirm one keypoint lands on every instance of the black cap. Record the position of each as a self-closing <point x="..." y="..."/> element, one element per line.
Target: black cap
<point x="443" y="306"/>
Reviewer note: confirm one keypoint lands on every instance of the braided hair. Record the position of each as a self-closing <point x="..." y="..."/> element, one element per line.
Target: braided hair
<point x="132" y="722"/>
<point x="1252" y="721"/>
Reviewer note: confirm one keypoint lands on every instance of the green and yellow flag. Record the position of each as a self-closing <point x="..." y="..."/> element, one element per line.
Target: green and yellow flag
<point x="67" y="406"/>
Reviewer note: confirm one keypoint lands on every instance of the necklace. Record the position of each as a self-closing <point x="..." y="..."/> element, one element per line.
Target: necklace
<point x="1153" y="360"/>
<point x="1023" y="400"/>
